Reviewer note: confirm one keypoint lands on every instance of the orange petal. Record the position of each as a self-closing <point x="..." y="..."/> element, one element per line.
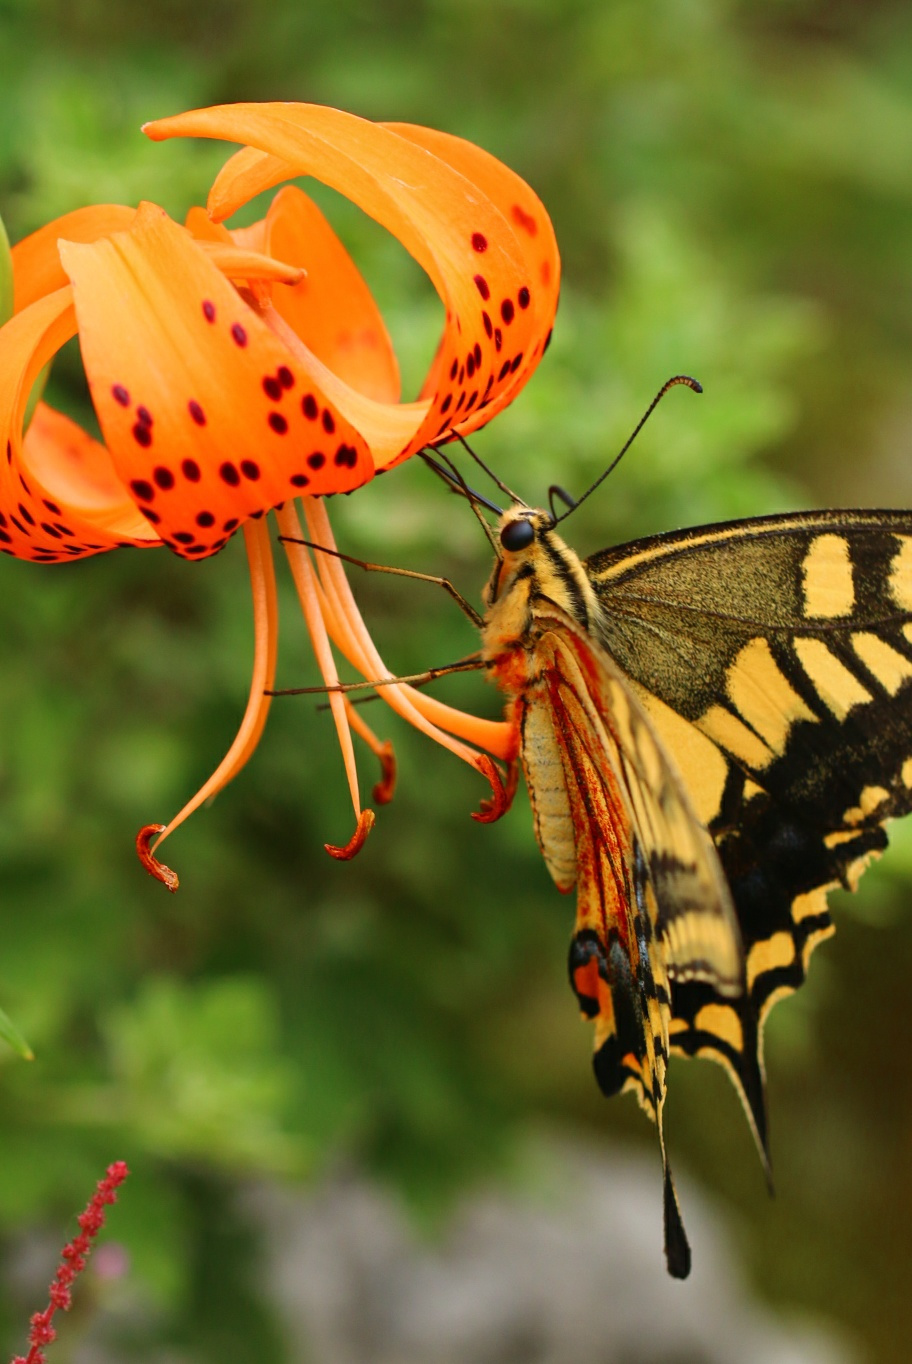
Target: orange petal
<point x="208" y="417"/>
<point x="59" y="495"/>
<point x="332" y="310"/>
<point x="36" y="261"/>
<point x="448" y="223"/>
<point x="534" y="233"/>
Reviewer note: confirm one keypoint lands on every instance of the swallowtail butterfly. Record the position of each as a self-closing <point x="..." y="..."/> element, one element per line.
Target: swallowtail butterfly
<point x="715" y="726"/>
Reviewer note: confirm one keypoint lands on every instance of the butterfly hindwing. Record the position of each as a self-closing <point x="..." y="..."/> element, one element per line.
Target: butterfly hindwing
<point x="652" y="903"/>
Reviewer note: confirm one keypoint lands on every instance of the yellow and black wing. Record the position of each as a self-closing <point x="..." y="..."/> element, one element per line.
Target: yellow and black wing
<point x="774" y="657"/>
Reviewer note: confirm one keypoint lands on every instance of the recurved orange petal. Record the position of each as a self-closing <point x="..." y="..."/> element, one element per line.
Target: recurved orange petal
<point x="535" y="234"/>
<point x="59" y="495"/>
<point x="452" y="227"/>
<point x="209" y="418"/>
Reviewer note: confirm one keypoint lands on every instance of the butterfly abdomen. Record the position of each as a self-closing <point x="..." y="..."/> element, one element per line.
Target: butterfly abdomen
<point x="542" y="764"/>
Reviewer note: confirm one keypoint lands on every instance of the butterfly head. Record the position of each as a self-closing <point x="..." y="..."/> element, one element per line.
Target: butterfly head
<point x="520" y="537"/>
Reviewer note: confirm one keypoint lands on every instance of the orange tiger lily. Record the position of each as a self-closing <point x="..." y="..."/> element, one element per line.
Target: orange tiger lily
<point x="234" y="372"/>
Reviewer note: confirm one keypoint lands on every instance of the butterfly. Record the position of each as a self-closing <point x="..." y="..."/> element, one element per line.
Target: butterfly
<point x="714" y="727"/>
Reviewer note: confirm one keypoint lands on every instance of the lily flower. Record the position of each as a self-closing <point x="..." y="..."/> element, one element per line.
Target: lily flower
<point x="236" y="373"/>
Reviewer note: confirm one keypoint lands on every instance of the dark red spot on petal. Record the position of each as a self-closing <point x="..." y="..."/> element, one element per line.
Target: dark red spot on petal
<point x="272" y="388"/>
<point x="285" y="376"/>
<point x="229" y="474"/>
<point x="504" y="370"/>
<point x="524" y="219"/>
<point x="191" y="470"/>
<point x="481" y="284"/>
<point x="64" y="530"/>
<point x="163" y="478"/>
<point x="477" y="353"/>
<point x="51" y="506"/>
<point x="523" y="297"/>
<point x="346" y="457"/>
<point x="144" y="415"/>
<point x="460" y="402"/>
<point x="7" y="539"/>
<point x="462" y="374"/>
<point x="299" y="480"/>
<point x="250" y="470"/>
<point x="26" y="514"/>
<point x="447" y="402"/>
<point x="150" y="515"/>
<point x="507" y="310"/>
<point x="208" y="310"/>
<point x="205" y="519"/>
<point x="120" y="395"/>
<point x="238" y="334"/>
<point x="142" y="489"/>
<point x="49" y="530"/>
<point x="488" y="325"/>
<point x="183" y="537"/>
<point x="278" y="423"/>
<point x="198" y="415"/>
<point x="470" y="364"/>
<point x="309" y="407"/>
<point x="329" y="424"/>
<point x="479" y="242"/>
<point x="231" y="524"/>
<point x="316" y="460"/>
<point x="516" y="362"/>
<point x="19" y="526"/>
<point x="454" y="369"/>
<point x="142" y="435"/>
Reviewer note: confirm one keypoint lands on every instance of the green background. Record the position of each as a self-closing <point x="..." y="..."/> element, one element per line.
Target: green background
<point x="731" y="186"/>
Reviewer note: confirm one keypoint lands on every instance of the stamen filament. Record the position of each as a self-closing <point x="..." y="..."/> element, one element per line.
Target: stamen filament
<point x="306" y="583"/>
<point x="356" y="644"/>
<point x="266" y="637"/>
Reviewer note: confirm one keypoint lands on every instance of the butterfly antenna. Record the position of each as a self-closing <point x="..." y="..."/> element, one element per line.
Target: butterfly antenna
<point x="516" y="500"/>
<point x="455" y="481"/>
<point x="671" y="383"/>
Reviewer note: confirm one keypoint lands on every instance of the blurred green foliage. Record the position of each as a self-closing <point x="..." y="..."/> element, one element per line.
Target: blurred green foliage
<point x="730" y="182"/>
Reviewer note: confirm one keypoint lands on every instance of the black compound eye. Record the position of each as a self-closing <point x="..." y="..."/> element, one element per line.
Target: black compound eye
<point x="517" y="535"/>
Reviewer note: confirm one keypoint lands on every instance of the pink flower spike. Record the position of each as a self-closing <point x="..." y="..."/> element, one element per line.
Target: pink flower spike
<point x="73" y="1260"/>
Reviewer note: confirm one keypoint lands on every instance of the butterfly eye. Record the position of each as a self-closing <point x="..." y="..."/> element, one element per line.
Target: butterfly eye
<point x="517" y="535"/>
